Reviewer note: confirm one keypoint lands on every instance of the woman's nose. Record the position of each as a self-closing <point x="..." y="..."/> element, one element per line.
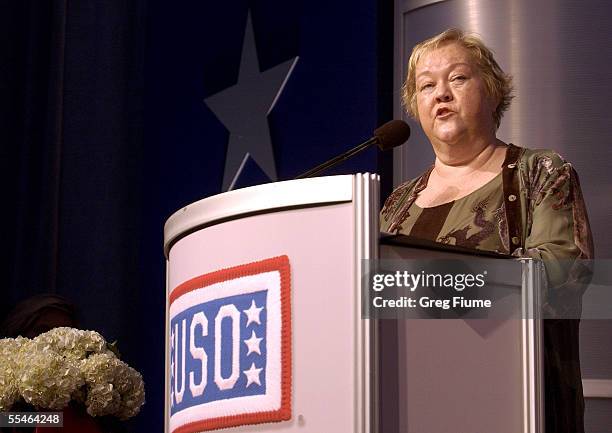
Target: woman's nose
<point x="443" y="93"/>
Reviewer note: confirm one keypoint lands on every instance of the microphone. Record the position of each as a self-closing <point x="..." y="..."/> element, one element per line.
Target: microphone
<point x="392" y="134"/>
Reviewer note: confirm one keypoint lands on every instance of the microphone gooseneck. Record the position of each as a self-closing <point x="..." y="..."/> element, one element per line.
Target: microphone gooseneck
<point x="392" y="134"/>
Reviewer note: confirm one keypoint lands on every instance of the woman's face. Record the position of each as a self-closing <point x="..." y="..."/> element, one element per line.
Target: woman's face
<point x="452" y="100"/>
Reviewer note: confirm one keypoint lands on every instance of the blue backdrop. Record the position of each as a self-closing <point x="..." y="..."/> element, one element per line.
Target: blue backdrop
<point x="106" y="133"/>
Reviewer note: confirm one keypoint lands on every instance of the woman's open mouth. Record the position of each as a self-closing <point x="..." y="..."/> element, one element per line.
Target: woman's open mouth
<point x="443" y="113"/>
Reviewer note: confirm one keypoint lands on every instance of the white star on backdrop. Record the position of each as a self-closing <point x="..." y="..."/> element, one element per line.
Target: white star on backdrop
<point x="253" y="313"/>
<point x="252" y="375"/>
<point x="253" y="343"/>
<point x="244" y="108"/>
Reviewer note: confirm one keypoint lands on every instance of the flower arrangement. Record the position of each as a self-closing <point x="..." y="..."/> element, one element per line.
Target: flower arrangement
<point x="64" y="365"/>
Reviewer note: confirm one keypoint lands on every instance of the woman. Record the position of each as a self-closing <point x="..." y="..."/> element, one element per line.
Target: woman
<point x="483" y="193"/>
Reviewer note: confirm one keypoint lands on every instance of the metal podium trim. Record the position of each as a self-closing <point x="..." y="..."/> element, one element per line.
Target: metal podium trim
<point x="366" y="199"/>
<point x="533" y="399"/>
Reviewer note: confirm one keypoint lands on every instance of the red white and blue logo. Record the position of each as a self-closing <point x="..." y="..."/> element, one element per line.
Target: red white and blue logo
<point x="230" y="348"/>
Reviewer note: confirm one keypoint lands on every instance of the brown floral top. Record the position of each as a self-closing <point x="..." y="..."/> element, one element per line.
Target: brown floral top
<point x="474" y="221"/>
<point x="533" y="208"/>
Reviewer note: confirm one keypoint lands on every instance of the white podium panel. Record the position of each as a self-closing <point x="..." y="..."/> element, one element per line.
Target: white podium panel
<point x="324" y="243"/>
<point x="471" y="374"/>
<point x="247" y="361"/>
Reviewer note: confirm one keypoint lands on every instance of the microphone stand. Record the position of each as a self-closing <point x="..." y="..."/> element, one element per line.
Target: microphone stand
<point x="338" y="159"/>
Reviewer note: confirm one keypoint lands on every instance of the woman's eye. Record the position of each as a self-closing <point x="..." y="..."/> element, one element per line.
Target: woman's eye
<point x="426" y="86"/>
<point x="459" y="78"/>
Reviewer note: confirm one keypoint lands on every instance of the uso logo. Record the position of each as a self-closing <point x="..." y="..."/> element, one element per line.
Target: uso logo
<point x="230" y="348"/>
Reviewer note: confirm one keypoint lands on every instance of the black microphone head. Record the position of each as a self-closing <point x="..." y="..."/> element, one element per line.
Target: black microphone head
<point x="392" y="134"/>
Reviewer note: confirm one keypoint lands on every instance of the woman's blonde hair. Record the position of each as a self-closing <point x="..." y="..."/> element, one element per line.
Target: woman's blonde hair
<point x="497" y="82"/>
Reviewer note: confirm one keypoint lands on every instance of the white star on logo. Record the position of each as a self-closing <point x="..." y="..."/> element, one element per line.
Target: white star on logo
<point x="253" y="343"/>
<point x="253" y="313"/>
<point x="252" y="375"/>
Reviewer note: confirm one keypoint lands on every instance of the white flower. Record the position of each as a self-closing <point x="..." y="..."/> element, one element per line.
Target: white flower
<point x="72" y="343"/>
<point x="9" y="393"/>
<point x="115" y="388"/>
<point x="67" y="364"/>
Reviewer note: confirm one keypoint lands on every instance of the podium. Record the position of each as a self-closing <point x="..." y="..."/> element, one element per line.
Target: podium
<point x="265" y="325"/>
